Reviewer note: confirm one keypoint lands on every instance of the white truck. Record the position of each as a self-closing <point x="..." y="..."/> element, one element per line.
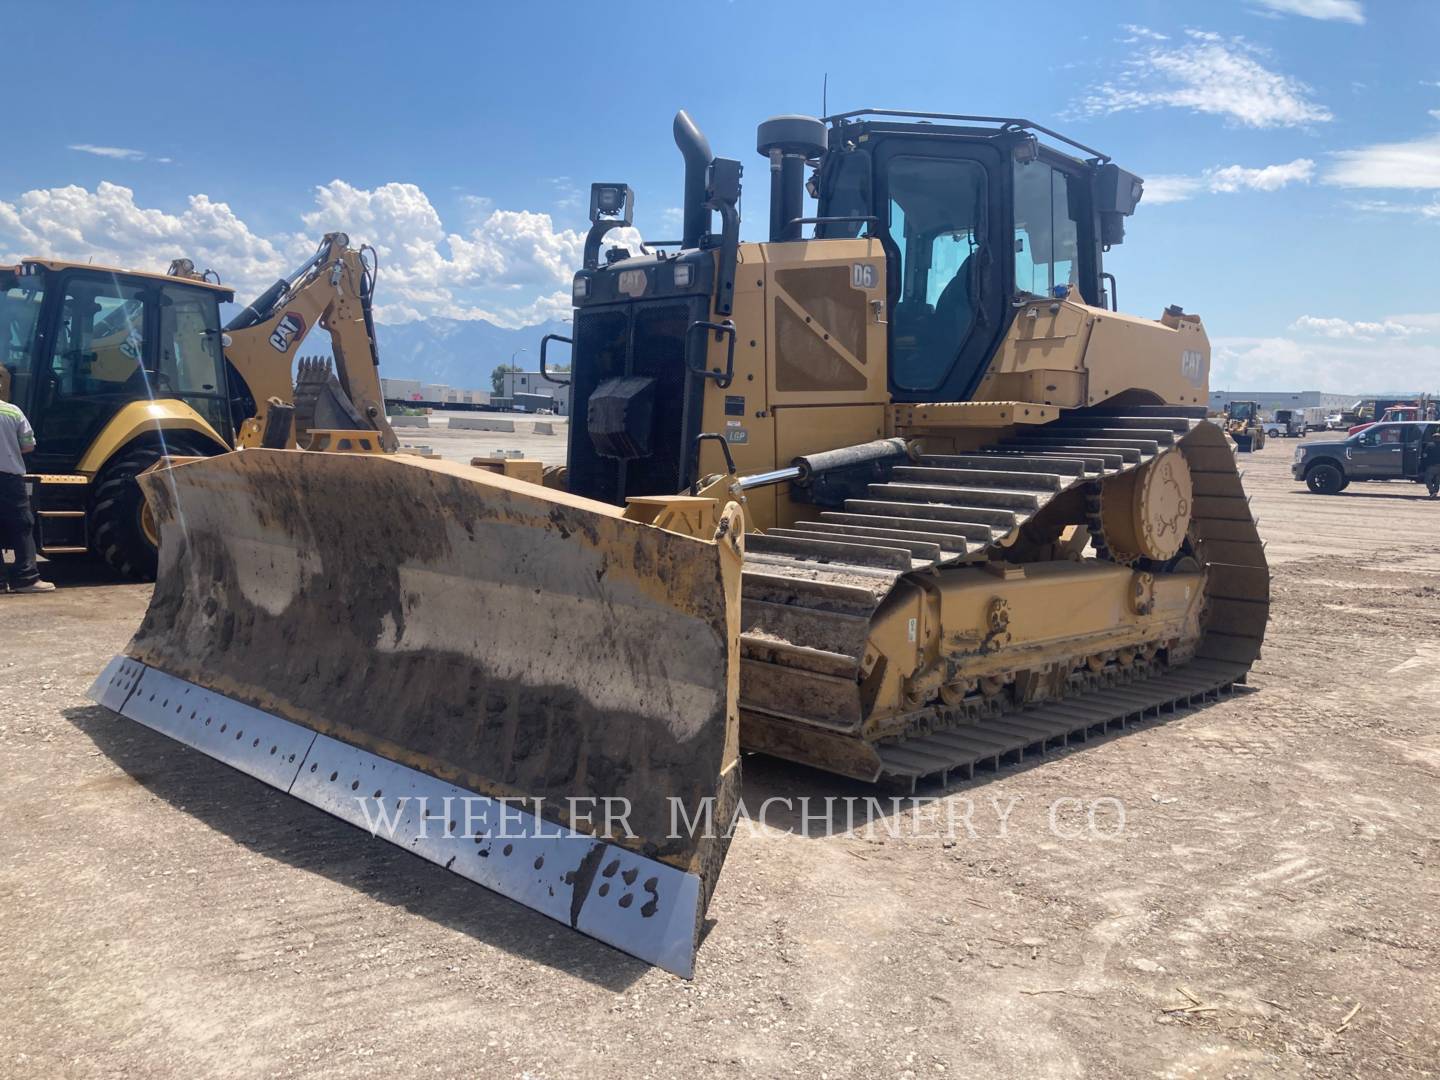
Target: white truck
<point x="1289" y="423"/>
<point x="1295" y="423"/>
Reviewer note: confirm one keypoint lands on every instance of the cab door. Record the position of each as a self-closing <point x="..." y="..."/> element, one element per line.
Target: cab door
<point x="942" y="203"/>
<point x="1412" y="445"/>
<point x="90" y="363"/>
<point x="1377" y="453"/>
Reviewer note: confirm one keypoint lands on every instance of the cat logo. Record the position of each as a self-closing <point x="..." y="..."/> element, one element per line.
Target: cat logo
<point x="287" y="332"/>
<point x="1192" y="365"/>
<point x="632" y="282"/>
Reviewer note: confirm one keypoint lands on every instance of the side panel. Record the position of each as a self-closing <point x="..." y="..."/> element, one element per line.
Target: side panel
<point x="1170" y="359"/>
<point x="827" y="337"/>
<point x="1064" y="353"/>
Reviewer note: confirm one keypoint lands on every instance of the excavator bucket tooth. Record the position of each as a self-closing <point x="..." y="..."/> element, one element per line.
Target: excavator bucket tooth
<point x="523" y="686"/>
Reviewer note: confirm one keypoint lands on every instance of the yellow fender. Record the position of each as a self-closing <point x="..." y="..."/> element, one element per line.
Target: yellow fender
<point x="142" y="418"/>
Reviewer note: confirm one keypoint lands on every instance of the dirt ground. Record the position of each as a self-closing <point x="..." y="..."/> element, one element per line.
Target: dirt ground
<point x="1258" y="894"/>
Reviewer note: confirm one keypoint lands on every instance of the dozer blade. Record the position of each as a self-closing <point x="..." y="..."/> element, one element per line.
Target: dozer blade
<point x="416" y="647"/>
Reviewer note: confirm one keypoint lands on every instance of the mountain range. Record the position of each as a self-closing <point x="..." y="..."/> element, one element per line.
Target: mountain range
<point x="462" y="352"/>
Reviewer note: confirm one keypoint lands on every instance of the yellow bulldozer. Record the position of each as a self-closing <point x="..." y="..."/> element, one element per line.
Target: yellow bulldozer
<point x="118" y="369"/>
<point x="898" y="499"/>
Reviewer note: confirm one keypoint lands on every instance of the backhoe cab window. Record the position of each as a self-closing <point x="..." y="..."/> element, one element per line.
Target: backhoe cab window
<point x="100" y="341"/>
<point x="1046" y="233"/>
<point x="936" y="218"/>
<point x="19" y="313"/>
<point x="190" y="341"/>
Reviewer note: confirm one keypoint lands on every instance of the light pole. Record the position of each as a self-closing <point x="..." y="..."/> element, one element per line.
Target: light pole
<point x="516" y="353"/>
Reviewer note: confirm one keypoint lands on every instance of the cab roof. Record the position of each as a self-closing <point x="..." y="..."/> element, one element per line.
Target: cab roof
<point x="57" y="265"/>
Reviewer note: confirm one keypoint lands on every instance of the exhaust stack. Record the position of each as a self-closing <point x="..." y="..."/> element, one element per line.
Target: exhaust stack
<point x="698" y="156"/>
<point x="788" y="141"/>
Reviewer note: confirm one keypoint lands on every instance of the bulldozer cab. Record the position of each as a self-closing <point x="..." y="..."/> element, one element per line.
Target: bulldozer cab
<point x="934" y="232"/>
<point x="82" y="343"/>
<point x="973" y="218"/>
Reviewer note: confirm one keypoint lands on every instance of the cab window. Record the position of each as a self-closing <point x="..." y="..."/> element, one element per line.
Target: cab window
<point x="1381" y="435"/>
<point x="1046" y="228"/>
<point x="936" y="213"/>
<point x="100" y="340"/>
<point x="848" y="196"/>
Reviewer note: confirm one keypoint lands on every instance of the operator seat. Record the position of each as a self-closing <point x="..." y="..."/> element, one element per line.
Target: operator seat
<point x="953" y="318"/>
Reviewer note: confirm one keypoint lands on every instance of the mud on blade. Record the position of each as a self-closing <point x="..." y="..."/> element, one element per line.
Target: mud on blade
<point x="380" y="634"/>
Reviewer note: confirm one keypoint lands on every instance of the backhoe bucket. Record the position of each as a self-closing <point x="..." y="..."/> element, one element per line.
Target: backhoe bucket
<point x="526" y="687"/>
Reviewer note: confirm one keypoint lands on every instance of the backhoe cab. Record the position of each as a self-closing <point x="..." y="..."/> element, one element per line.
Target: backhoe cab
<point x="118" y="369"/>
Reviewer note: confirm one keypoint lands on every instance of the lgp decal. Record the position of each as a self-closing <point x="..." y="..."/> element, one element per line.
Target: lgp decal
<point x="290" y="328"/>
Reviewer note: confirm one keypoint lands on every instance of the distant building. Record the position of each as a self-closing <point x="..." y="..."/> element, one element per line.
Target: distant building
<point x="437" y="393"/>
<point x="532" y="382"/>
<point x="400" y="389"/>
<point x="1268" y="400"/>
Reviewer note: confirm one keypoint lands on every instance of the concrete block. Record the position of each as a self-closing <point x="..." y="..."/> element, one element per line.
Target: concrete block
<point x="409" y="421"/>
<point x="481" y="423"/>
<point x="544" y="427"/>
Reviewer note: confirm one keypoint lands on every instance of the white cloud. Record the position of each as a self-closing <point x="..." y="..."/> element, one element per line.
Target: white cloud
<point x="1334" y="355"/>
<point x="117" y="153"/>
<point x="1284" y="363"/>
<point x="1227" y="179"/>
<point x="107" y="226"/>
<point x="512" y="267"/>
<point x="1424" y="211"/>
<point x="1335" y="10"/>
<point x="1412" y="164"/>
<point x="1361" y="331"/>
<point x="1141" y="33"/>
<point x="1160" y="190"/>
<point x="1268" y="178"/>
<point x="1207" y="73"/>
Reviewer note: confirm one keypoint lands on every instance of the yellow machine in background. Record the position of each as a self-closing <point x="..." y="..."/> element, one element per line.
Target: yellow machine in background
<point x="1242" y="423"/>
<point x="120" y="368"/>
<point x="985" y="515"/>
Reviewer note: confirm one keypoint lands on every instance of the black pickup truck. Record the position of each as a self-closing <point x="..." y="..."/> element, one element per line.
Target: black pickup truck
<point x="1405" y="450"/>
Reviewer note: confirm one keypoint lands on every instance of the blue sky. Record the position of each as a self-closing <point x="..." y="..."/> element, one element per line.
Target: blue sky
<point x="1291" y="147"/>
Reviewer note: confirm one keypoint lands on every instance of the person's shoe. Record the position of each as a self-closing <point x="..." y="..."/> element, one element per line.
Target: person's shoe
<point x="39" y="586"/>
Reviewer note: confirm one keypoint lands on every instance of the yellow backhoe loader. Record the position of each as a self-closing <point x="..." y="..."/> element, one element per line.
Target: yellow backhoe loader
<point x="896" y="500"/>
<point x="119" y="368"/>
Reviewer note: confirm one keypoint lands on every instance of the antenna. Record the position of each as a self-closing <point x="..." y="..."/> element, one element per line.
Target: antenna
<point x="825" y="94"/>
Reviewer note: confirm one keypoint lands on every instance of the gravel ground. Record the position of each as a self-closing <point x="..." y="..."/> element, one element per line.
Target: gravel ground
<point x="1267" y="906"/>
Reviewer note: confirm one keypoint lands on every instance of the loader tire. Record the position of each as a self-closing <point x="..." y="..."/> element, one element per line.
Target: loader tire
<point x="1324" y="480"/>
<point x="119" y="527"/>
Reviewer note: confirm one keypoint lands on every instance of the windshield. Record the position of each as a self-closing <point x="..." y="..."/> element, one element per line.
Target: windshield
<point x="1242" y="410"/>
<point x="1046" y="229"/>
